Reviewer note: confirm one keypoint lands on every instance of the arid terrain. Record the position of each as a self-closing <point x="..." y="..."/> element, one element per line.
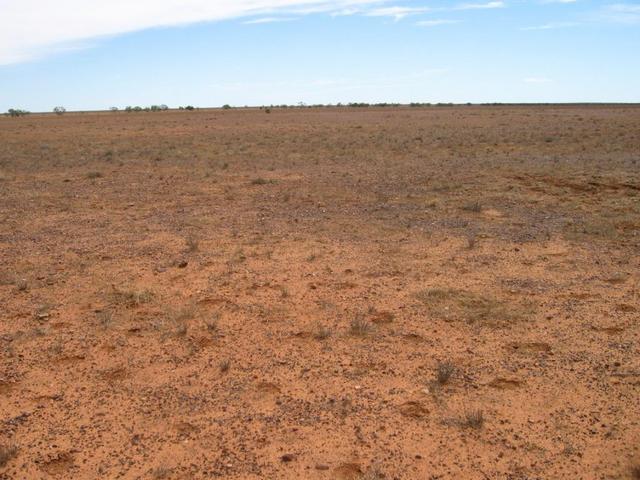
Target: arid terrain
<point x="356" y="293"/>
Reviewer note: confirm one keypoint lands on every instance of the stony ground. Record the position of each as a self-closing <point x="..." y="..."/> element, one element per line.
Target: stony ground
<point x="407" y="293"/>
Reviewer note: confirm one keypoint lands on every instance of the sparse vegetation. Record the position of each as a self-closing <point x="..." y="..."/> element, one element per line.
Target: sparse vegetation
<point x="59" y="110"/>
<point x="340" y="294"/>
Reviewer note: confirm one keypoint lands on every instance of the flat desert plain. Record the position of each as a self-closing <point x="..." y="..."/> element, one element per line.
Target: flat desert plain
<point x="355" y="293"/>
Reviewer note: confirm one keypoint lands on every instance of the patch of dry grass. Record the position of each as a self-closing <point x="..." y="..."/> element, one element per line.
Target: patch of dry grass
<point x="130" y="296"/>
<point x="456" y="304"/>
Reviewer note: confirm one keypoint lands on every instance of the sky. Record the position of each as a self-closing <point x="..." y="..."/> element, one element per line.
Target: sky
<point x="97" y="54"/>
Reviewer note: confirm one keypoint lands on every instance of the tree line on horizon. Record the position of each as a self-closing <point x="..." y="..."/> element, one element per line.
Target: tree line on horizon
<point x="60" y="110"/>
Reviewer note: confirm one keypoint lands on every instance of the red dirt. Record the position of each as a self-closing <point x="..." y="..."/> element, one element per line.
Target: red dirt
<point x="242" y="295"/>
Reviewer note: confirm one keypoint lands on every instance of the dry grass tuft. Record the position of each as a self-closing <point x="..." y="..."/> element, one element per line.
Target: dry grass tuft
<point x="213" y="323"/>
<point x="192" y="244"/>
<point x="225" y="365"/>
<point x="160" y="473"/>
<point x="473" y="419"/>
<point x="360" y="327"/>
<point x="473" y="207"/>
<point x="259" y="181"/>
<point x="472" y="240"/>
<point x="7" y="453"/>
<point x="444" y="372"/>
<point x="105" y="318"/>
<point x="320" y="332"/>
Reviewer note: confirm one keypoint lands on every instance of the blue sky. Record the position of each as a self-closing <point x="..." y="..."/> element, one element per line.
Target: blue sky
<point x="92" y="54"/>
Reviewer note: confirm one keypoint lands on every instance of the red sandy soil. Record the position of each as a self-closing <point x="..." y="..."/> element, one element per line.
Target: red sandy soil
<point x="391" y="293"/>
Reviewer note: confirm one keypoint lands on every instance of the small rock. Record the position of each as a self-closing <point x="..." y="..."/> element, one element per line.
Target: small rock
<point x="322" y="466"/>
<point x="287" y="457"/>
<point x="182" y="264"/>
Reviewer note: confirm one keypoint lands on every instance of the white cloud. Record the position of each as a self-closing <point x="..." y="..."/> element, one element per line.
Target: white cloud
<point x="34" y="28"/>
<point x="398" y="13"/>
<point x="436" y="22"/>
<point x="480" y="6"/>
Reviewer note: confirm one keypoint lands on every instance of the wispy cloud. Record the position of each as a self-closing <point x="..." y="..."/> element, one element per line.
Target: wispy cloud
<point x="345" y="12"/>
<point x="35" y="28"/>
<point x="398" y="13"/>
<point x="628" y="13"/>
<point x="256" y="21"/>
<point x="551" y="26"/>
<point x="436" y="22"/>
<point x="480" y="6"/>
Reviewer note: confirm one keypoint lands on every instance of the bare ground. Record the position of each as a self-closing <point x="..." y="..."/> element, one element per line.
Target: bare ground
<point x="326" y="294"/>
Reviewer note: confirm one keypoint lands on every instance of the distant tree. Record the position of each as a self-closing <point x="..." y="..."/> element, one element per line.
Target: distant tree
<point x="164" y="107"/>
<point x="128" y="109"/>
<point x="59" y="110"/>
<point x="189" y="107"/>
<point x="137" y="108"/>
<point x="114" y="109"/>
<point x="226" y="106"/>
<point x="17" y="112"/>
